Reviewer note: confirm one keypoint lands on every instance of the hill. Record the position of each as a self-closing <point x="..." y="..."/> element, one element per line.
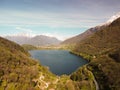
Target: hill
<point x="17" y="71"/>
<point x="39" y="40"/>
<point x="103" y="50"/>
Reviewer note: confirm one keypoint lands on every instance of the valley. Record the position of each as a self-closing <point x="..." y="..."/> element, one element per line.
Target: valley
<point x="101" y="49"/>
<point x="16" y="62"/>
<point x="88" y="61"/>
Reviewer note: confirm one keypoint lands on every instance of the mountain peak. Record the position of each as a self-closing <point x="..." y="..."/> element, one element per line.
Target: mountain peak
<point x="114" y="17"/>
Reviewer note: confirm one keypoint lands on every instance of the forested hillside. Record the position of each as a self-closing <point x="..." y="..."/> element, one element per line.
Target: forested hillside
<point x="17" y="70"/>
<point x="102" y="49"/>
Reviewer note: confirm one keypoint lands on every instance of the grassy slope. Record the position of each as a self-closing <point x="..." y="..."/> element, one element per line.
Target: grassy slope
<point x="103" y="50"/>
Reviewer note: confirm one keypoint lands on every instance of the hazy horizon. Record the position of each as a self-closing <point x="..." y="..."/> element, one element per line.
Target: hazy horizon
<point x="57" y="18"/>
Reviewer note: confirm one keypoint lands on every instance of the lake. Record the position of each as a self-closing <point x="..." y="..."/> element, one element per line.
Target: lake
<point x="59" y="61"/>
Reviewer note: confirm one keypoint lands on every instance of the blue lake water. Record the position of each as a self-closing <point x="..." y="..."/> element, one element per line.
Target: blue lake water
<point x="59" y="61"/>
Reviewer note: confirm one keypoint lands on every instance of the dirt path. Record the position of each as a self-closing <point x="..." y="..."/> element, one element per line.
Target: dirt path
<point x="96" y="84"/>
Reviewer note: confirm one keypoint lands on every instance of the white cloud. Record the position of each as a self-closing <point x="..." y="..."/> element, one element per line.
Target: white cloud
<point x="24" y="32"/>
<point x="29" y="33"/>
<point x="24" y="29"/>
<point x="58" y="36"/>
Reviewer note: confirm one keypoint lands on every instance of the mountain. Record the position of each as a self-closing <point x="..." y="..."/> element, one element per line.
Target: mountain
<point x="113" y="18"/>
<point x="19" y="39"/>
<point x="42" y="40"/>
<point x="90" y="31"/>
<point x="39" y="40"/>
<point x="106" y="39"/>
<point x="82" y="36"/>
<point x="102" y="49"/>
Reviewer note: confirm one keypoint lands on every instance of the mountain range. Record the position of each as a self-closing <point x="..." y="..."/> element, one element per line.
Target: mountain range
<point x="39" y="40"/>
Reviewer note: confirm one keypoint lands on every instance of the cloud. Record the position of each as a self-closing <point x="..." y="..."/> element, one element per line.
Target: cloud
<point x="29" y="33"/>
<point x="61" y="37"/>
<point x="24" y="29"/>
<point x="24" y="32"/>
<point x="49" y="19"/>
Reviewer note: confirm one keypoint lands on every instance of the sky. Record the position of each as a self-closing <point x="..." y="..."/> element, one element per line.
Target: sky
<point x="56" y="18"/>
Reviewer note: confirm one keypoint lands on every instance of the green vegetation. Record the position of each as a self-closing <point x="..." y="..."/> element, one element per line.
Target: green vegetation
<point x="102" y="49"/>
<point x="69" y="47"/>
<point x="85" y="79"/>
<point x="29" y="47"/>
<point x="51" y="47"/>
<point x="17" y="71"/>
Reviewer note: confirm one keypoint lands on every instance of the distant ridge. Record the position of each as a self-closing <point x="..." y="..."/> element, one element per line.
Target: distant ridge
<point x="39" y="40"/>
